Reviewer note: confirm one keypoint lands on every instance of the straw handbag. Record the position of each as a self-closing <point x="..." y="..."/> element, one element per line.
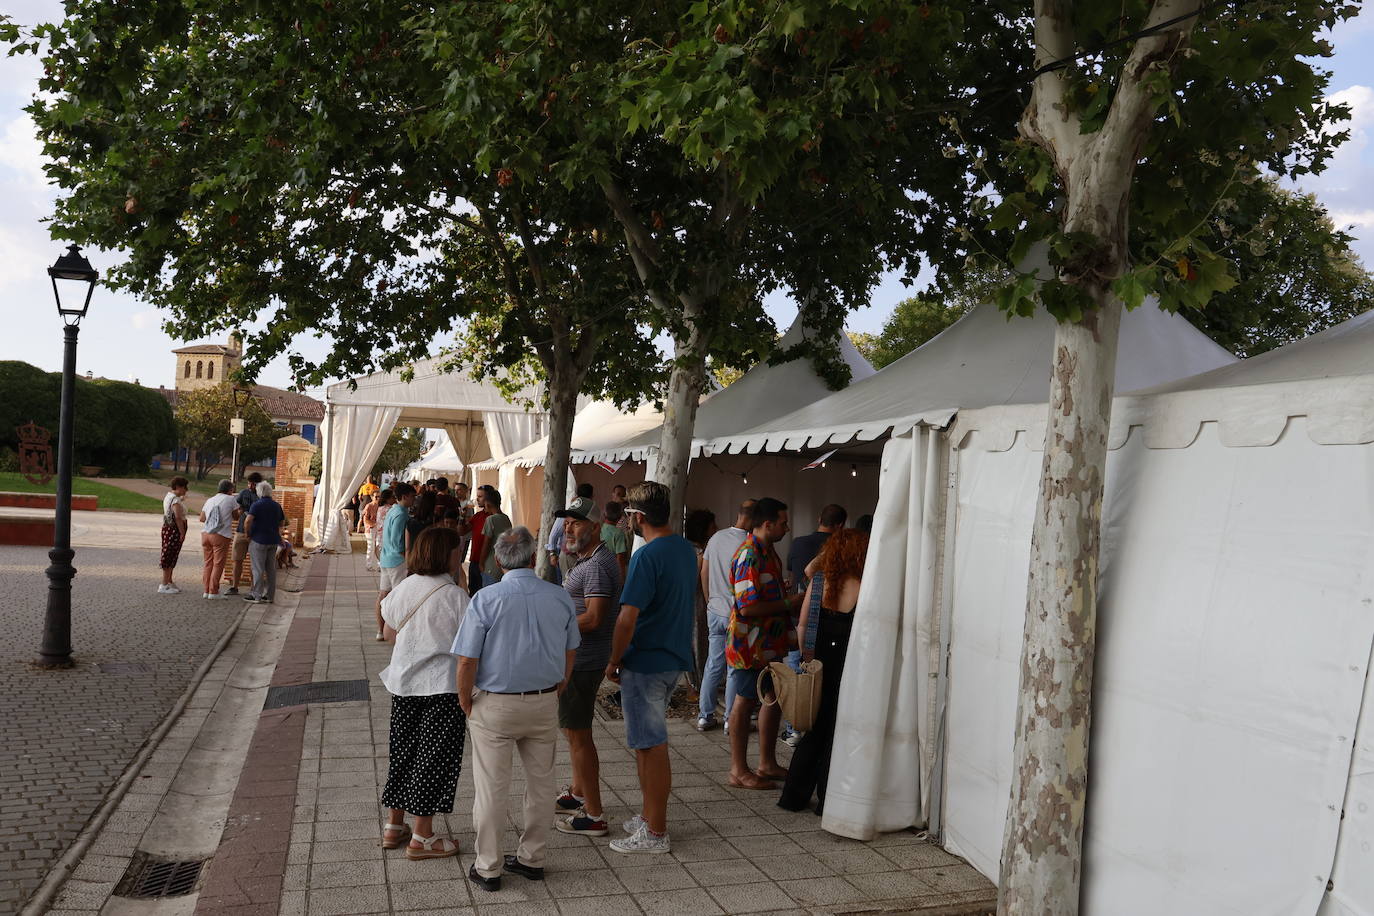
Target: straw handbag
<point x="798" y="693"/>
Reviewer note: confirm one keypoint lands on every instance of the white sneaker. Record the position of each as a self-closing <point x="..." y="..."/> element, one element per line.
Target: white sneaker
<point x="642" y="841"/>
<point x="632" y="825"/>
<point x="168" y="590"/>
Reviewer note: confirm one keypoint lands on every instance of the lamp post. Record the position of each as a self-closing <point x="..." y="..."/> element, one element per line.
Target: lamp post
<point x="56" y="650"/>
<point x="241" y="396"/>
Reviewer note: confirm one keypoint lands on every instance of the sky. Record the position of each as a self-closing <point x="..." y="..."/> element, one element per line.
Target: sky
<point x="122" y="338"/>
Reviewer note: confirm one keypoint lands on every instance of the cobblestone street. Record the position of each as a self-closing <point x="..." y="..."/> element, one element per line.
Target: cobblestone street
<point x="68" y="735"/>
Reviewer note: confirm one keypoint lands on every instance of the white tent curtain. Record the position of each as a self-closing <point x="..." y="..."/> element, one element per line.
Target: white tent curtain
<point x="353" y="439"/>
<point x="509" y="432"/>
<point x="881" y="764"/>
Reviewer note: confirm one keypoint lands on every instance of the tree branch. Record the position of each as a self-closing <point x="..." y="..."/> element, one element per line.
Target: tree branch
<point x="1047" y="119"/>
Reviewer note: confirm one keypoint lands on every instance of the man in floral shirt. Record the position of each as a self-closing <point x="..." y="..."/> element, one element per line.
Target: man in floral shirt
<point x="761" y="631"/>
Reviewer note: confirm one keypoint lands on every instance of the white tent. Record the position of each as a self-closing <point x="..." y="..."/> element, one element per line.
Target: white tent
<point x="442" y="458"/>
<point x="1232" y="758"/>
<point x="359" y="415"/>
<point x="984" y="358"/>
<point x="761" y="394"/>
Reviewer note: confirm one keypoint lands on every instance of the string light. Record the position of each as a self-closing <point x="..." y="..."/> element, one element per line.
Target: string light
<point x="853" y="470"/>
<point x="744" y="476"/>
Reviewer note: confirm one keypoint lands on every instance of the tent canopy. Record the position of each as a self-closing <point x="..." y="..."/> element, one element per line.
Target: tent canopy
<point x="764" y="392"/>
<point x="984" y="358"/>
<point x="360" y="414"/>
<point x="597" y="427"/>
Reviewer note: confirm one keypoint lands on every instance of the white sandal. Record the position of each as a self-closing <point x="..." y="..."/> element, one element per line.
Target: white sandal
<point x="404" y="831"/>
<point x="434" y="847"/>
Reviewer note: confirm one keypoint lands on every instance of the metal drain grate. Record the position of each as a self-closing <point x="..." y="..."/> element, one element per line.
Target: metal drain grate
<point x="124" y="668"/>
<point x="317" y="692"/>
<point x="148" y="878"/>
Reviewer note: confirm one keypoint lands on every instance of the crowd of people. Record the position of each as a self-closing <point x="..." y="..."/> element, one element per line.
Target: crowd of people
<point x="487" y="652"/>
<point x="247" y="527"/>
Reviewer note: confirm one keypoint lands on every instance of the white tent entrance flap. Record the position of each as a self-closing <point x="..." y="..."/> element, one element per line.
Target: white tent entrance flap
<point x="353" y="438"/>
<point x="883" y="752"/>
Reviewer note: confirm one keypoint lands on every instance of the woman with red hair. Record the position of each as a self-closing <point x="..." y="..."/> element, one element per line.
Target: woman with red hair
<point x="840" y="569"/>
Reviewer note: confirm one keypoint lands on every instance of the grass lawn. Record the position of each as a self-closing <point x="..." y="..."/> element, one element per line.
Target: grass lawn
<point x="206" y="487"/>
<point x="112" y="498"/>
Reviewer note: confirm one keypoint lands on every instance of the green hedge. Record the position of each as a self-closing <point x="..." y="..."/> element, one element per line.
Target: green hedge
<point x="118" y="426"/>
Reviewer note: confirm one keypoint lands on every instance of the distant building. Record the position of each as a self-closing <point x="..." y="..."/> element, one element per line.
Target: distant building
<point x="207" y="365"/>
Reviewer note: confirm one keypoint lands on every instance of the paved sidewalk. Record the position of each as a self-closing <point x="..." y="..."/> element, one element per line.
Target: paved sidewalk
<point x="68" y="735"/>
<point x="301" y="833"/>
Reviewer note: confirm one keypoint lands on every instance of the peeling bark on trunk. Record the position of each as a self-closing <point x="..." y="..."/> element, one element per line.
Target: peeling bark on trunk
<point x="562" y="411"/>
<point x="1041" y="865"/>
<point x="685" y="384"/>
<point x="1041" y="856"/>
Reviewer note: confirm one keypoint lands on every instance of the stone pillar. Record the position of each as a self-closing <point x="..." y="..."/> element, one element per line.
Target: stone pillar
<point x="295" y="488"/>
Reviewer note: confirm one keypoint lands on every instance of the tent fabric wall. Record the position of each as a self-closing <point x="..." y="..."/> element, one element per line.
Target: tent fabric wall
<point x="1351" y="892"/>
<point x="1233" y="650"/>
<point x="882" y="759"/>
<point x="353" y="439"/>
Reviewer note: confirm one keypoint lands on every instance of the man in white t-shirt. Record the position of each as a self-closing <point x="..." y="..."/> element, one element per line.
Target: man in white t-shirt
<point x="720" y="600"/>
<point x="218" y="516"/>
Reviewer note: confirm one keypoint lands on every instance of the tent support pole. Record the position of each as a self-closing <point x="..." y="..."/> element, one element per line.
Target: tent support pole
<point x="950" y="508"/>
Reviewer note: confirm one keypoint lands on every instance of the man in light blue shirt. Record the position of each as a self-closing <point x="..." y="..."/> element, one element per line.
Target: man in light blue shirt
<point x="515" y="651"/>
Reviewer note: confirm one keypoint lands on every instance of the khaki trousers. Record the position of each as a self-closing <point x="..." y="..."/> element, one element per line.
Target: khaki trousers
<point x="498" y="723"/>
<point x="239" y="554"/>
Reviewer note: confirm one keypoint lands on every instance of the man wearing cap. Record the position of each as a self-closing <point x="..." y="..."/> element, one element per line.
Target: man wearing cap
<point x="593" y="583"/>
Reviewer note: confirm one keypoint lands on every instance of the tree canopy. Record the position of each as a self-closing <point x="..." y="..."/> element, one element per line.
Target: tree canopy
<point x="403" y="446"/>
<point x="203" y="417"/>
<point x="118" y="426"/>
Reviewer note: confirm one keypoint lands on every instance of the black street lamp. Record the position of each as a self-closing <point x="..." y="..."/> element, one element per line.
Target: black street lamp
<point x="56" y="651"/>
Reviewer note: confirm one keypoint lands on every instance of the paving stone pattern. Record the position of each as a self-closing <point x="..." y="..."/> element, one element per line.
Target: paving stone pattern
<point x="66" y="736"/>
<point x="734" y="851"/>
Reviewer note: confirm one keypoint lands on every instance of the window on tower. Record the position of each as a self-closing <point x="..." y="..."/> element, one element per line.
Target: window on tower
<point x="188" y="368"/>
<point x="199" y="366"/>
<point x="210" y="370"/>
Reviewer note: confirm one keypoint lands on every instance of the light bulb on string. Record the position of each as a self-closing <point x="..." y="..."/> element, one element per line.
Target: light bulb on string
<point x="745" y="477"/>
<point x="853" y="470"/>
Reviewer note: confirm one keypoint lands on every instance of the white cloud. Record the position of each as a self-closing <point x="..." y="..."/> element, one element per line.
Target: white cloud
<point x="147" y="318"/>
<point x="1345" y="187"/>
<point x="21" y="155"/>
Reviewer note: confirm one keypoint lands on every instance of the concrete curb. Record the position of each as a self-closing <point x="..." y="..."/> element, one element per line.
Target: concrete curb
<point x="61" y="870"/>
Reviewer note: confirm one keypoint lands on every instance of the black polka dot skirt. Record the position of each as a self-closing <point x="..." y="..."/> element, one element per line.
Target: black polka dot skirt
<point x="427" y="735"/>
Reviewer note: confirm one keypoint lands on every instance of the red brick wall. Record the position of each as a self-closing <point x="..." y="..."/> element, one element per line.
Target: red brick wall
<point x="295" y="488"/>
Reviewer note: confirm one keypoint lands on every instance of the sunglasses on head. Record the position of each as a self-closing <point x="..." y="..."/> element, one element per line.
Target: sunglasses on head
<point x="634" y="511"/>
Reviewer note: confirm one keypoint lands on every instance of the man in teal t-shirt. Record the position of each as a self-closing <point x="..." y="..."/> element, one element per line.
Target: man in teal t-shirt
<point x="651" y="649"/>
<point x="392" y="557"/>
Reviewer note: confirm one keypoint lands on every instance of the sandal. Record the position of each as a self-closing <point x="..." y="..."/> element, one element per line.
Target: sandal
<point x="434" y="847"/>
<point x="399" y="841"/>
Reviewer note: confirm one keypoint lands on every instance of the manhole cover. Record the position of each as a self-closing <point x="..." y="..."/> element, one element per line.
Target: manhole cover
<point x="124" y="668"/>
<point x="147" y="877"/>
<point x="317" y="692"/>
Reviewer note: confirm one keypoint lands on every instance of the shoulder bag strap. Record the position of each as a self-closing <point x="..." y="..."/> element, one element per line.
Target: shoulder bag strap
<point x="405" y="620"/>
<point x="813" y="612"/>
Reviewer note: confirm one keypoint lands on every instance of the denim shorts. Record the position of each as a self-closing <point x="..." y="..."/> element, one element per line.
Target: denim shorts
<point x="745" y="682"/>
<point x="644" y="701"/>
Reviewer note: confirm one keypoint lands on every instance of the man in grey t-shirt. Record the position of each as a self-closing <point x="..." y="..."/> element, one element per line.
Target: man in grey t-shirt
<point x="594" y="586"/>
<point x="720" y="600"/>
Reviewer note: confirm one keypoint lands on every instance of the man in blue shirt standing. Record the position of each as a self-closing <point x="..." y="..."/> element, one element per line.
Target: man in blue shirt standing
<point x="651" y="649"/>
<point x="392" y="557"/>
<point x="263" y="527"/>
<point x="515" y="651"/>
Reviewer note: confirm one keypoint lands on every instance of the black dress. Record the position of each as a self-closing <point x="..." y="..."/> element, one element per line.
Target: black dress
<point x="810" y="766"/>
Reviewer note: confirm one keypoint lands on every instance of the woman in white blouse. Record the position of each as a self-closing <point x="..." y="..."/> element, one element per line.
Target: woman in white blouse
<point x="421" y="617"/>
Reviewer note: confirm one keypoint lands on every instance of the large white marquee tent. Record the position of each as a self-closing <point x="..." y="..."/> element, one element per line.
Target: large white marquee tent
<point x="1232" y="760"/>
<point x="480" y="421"/>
